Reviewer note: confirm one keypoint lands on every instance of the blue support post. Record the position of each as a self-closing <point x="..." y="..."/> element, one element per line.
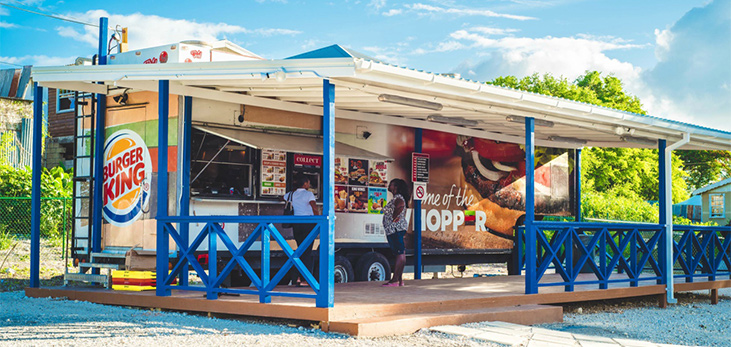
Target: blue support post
<point x="264" y="297"/>
<point x="184" y="204"/>
<point x="531" y="281"/>
<point x="418" y="133"/>
<point x="326" y="296"/>
<point x="577" y="169"/>
<point x="213" y="263"/>
<point x="162" y="245"/>
<point x="661" y="249"/>
<point x="35" y="195"/>
<point x="101" y="112"/>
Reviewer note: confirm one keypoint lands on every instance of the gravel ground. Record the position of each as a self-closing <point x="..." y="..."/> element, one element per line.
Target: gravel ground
<point x="48" y="322"/>
<point x="693" y="321"/>
<point x="36" y="322"/>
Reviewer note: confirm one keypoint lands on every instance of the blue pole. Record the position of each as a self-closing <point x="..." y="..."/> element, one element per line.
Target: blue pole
<point x="101" y="111"/>
<point x="577" y="168"/>
<point x="326" y="296"/>
<point x="662" y="184"/>
<point x="417" y="213"/>
<point x="185" y="186"/>
<point x="162" y="188"/>
<point x="35" y="197"/>
<point x="531" y="283"/>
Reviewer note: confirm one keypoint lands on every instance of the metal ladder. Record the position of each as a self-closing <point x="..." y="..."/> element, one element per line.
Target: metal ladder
<point x="83" y="181"/>
<point x="83" y="178"/>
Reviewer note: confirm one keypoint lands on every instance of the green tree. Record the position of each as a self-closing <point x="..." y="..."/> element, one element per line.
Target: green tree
<point x="705" y="167"/>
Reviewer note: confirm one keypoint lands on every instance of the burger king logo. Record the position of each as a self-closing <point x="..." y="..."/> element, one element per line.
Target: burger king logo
<point x="127" y="174"/>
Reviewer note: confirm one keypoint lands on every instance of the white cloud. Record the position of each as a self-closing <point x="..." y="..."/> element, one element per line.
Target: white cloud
<point x="569" y="57"/>
<point x="690" y="83"/>
<point x="38" y="60"/>
<point x="692" y="78"/>
<point x="424" y="9"/>
<point x="377" y="4"/>
<point x="493" y="31"/>
<point x="392" y="12"/>
<point x="391" y="55"/>
<point x="151" y="30"/>
<point x="663" y="39"/>
<point x="6" y="25"/>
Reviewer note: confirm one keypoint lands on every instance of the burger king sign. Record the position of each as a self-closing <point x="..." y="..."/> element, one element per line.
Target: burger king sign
<point x="127" y="174"/>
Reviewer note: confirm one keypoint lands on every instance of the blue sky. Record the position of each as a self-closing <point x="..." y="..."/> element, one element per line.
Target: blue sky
<point x="675" y="55"/>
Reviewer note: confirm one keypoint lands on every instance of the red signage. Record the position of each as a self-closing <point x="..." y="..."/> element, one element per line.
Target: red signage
<point x="419" y="167"/>
<point x="307" y="160"/>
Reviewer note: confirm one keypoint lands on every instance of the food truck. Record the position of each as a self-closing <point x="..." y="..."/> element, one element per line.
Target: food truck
<point x="244" y="158"/>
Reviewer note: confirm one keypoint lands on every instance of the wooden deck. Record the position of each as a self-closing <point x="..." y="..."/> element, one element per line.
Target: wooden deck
<point x="368" y="309"/>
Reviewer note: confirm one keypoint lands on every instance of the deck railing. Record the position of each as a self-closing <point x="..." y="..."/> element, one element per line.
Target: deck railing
<point x="265" y="232"/>
<point x="634" y="250"/>
<point x="702" y="251"/>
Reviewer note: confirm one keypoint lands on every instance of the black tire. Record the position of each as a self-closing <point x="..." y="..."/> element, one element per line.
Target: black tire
<point x="372" y="266"/>
<point x="343" y="270"/>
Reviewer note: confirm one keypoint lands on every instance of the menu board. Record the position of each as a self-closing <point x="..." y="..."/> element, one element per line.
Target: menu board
<point x="357" y="172"/>
<point x="358" y="199"/>
<point x="341" y="199"/>
<point x="273" y="172"/>
<point x="376" y="200"/>
<point x="377" y="175"/>
<point x="341" y="170"/>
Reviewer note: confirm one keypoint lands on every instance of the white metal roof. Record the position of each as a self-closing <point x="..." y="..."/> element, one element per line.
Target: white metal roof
<point x="296" y="85"/>
<point x="289" y="143"/>
<point x="711" y="186"/>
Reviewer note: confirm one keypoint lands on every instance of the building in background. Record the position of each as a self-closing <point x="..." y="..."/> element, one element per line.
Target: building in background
<point x="716" y="202"/>
<point x="16" y="110"/>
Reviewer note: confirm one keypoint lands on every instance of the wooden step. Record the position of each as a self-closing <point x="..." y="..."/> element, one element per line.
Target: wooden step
<point x="410" y="323"/>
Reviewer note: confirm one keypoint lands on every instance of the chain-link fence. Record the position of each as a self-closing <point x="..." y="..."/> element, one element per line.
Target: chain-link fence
<point x="56" y="223"/>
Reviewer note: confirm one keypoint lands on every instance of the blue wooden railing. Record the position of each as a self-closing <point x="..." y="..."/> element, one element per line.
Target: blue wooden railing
<point x="636" y="250"/>
<point x="265" y="232"/>
<point x="702" y="251"/>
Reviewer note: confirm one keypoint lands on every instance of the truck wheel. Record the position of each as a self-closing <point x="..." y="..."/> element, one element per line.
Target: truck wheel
<point x="373" y="266"/>
<point x="343" y="270"/>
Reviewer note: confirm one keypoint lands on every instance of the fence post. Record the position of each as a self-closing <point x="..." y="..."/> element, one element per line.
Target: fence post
<point x="35" y="214"/>
<point x="531" y="280"/>
<point x="326" y="296"/>
<point x="264" y="297"/>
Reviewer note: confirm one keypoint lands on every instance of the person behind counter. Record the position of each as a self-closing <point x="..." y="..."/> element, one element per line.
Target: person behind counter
<point x="395" y="224"/>
<point x="303" y="203"/>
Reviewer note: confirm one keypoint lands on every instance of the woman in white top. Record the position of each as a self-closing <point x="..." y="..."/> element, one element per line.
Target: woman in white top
<point x="303" y="203"/>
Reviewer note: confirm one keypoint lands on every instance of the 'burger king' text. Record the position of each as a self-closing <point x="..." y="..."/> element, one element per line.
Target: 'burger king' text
<point x="122" y="173"/>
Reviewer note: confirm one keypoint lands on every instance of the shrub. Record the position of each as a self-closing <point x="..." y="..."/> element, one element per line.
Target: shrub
<point x="16" y="213"/>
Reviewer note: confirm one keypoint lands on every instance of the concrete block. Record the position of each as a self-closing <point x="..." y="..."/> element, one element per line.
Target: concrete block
<point x="456" y="330"/>
<point x="502" y="339"/>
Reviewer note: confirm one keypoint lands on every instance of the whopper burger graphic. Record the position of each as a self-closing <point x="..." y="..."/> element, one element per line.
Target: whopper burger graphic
<point x="476" y="189"/>
<point x="127" y="175"/>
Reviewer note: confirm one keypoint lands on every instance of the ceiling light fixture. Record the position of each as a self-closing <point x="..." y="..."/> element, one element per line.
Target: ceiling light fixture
<point x="452" y="120"/>
<point x="395" y="99"/>
<point x="639" y="140"/>
<point x="538" y="122"/>
<point x="567" y="140"/>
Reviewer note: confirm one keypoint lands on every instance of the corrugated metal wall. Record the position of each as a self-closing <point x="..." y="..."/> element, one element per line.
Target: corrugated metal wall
<point x="16" y="139"/>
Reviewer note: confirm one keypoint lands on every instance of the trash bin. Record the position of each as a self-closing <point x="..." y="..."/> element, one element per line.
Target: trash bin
<point x="578" y="253"/>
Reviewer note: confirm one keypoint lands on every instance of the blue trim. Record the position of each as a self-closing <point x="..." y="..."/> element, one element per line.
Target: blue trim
<point x="101" y="112"/>
<point x="577" y="168"/>
<point x="185" y="176"/>
<point x="326" y="295"/>
<point x="418" y="141"/>
<point x="35" y="201"/>
<point x="531" y="281"/>
<point x="662" y="184"/>
<point x="163" y="248"/>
